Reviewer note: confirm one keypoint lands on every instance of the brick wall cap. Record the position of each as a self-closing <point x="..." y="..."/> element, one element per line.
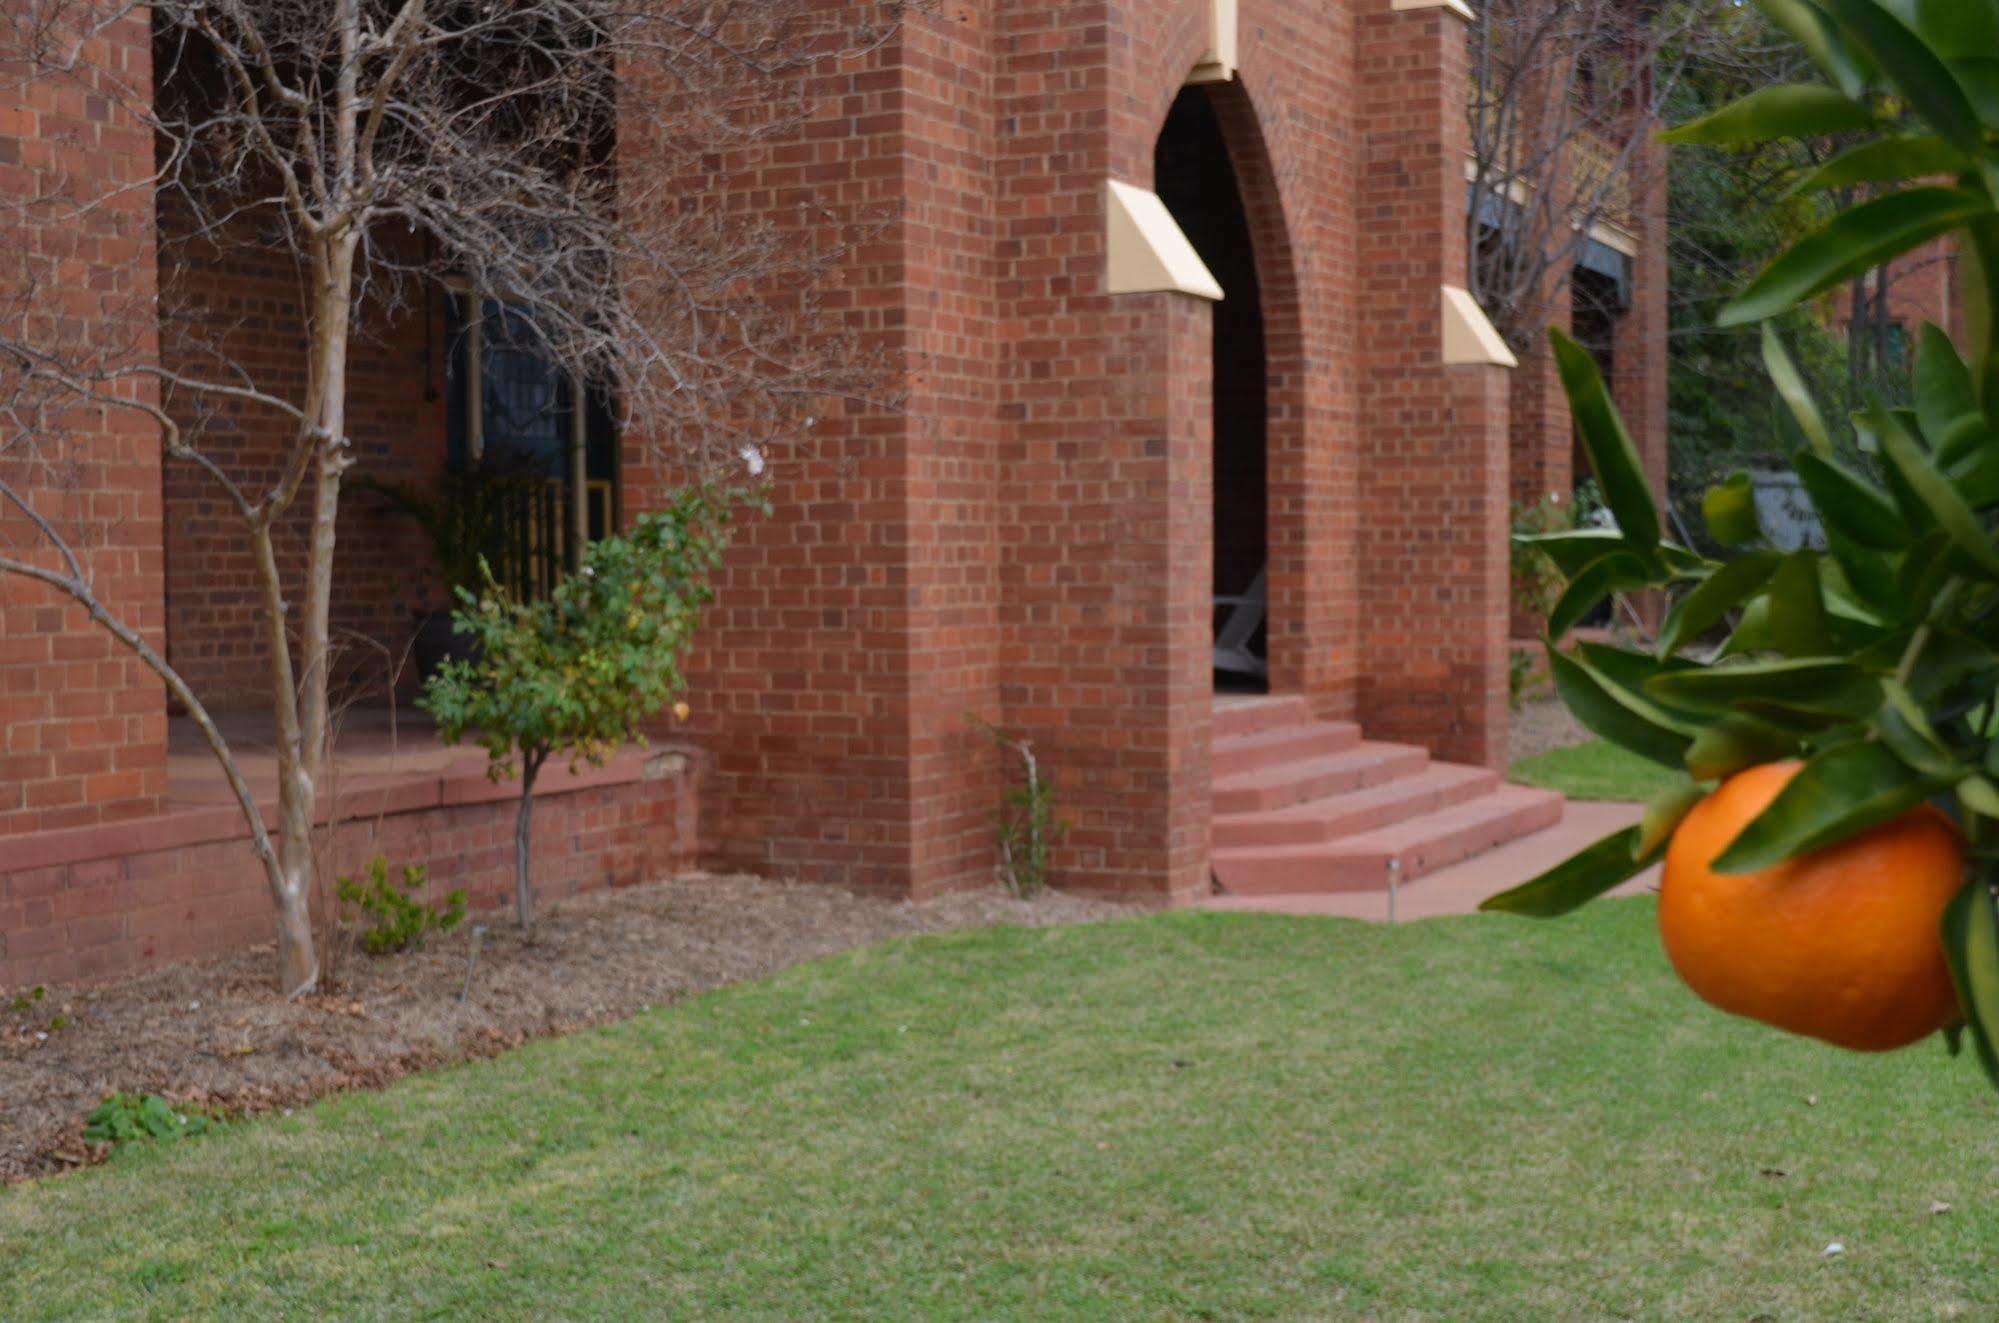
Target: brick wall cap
<point x="415" y="794"/>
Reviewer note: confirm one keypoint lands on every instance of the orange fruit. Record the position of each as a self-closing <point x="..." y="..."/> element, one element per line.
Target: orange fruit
<point x="1840" y="944"/>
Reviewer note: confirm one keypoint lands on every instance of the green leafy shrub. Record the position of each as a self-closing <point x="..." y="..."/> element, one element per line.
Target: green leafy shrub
<point x="1876" y="660"/>
<point x="578" y="672"/>
<point x="125" y="1117"/>
<point x="398" y="918"/>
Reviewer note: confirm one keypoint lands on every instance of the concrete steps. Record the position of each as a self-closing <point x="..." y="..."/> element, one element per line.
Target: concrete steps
<point x="1302" y="806"/>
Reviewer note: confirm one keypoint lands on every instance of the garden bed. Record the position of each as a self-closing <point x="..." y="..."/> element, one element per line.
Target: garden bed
<point x="215" y="1034"/>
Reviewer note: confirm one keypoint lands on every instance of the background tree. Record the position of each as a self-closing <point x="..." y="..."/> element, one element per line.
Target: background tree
<point x="1730" y="206"/>
<point x="381" y="148"/>
<point x="1565" y="98"/>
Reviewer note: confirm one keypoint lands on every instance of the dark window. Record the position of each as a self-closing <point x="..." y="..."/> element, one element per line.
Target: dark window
<point x="512" y="415"/>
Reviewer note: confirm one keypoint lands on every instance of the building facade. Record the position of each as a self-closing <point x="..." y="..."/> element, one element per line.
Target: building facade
<point x="1177" y="290"/>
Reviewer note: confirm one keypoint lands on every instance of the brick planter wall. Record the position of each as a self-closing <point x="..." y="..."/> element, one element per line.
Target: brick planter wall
<point x="81" y="904"/>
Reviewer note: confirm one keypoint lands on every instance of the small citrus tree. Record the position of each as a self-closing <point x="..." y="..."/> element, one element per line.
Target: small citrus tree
<point x="1874" y="663"/>
<point x="578" y="673"/>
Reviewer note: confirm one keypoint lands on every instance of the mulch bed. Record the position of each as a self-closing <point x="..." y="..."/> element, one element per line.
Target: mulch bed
<point x="1540" y="725"/>
<point x="215" y="1034"/>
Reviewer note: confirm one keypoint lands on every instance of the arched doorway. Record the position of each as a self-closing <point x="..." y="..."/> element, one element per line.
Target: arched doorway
<point x="1195" y="177"/>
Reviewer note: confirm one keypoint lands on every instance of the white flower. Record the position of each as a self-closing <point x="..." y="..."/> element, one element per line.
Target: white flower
<point x="753" y="460"/>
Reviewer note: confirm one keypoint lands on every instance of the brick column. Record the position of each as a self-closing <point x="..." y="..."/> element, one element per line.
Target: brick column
<point x="1433" y="481"/>
<point x="82" y="721"/>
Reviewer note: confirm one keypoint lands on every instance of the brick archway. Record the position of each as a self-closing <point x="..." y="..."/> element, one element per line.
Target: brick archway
<point x="1258" y="362"/>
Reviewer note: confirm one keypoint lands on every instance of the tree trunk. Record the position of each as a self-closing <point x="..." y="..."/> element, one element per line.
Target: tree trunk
<point x="298" y="961"/>
<point x="523" y="841"/>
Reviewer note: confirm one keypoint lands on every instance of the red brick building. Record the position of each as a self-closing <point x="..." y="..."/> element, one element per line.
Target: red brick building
<point x="1093" y="448"/>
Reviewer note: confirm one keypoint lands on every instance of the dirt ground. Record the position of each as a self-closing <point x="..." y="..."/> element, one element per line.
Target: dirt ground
<point x="1541" y="724"/>
<point x="214" y="1033"/>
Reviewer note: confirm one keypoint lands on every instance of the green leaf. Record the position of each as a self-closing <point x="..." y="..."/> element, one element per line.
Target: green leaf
<point x="1886" y="161"/>
<point x="1978" y="75"/>
<point x="1730" y="510"/>
<point x="1715" y="596"/>
<point x="1793" y="391"/>
<point x="1577" y="880"/>
<point x="1823" y="684"/>
<point x="1854" y="241"/>
<point x="1920" y="74"/>
<point x="1853" y="504"/>
<point x="1935" y="491"/>
<point x="1664" y="813"/>
<point x="1822" y="40"/>
<point x="1618" y="572"/>
<point x="1798" y="623"/>
<point x="1627" y="719"/>
<point x="1959" y="27"/>
<point x="1907" y="732"/>
<point x="1971" y="945"/>
<point x="1751" y="633"/>
<point x="1612" y="456"/>
<point x="1948" y="660"/>
<point x="1869" y="575"/>
<point x="1631" y="671"/>
<point x="1786" y="110"/>
<point x="1839" y="793"/>
<point x="1573" y="551"/>
<point x="1978" y="795"/>
<point x="1735" y="741"/>
<point x="1946" y="403"/>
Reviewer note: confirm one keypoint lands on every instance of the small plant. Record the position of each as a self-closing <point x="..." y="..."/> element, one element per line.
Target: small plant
<point x="1026" y="822"/>
<point x="399" y="918"/>
<point x="577" y="674"/>
<point x="1520" y="668"/>
<point x="124" y="1117"/>
<point x="29" y="1003"/>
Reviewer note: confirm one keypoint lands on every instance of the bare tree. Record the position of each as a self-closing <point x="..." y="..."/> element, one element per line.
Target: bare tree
<point x="1566" y="96"/>
<point x="540" y="151"/>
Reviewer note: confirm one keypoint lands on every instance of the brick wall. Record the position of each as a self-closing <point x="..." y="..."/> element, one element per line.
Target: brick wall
<point x="109" y="912"/>
<point x="82" y="721"/>
<point x="1029" y="538"/>
<point x="238" y="302"/>
<point x="1433" y="485"/>
<point x="802" y="680"/>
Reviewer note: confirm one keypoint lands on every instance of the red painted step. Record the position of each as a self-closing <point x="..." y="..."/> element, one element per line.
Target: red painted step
<point x="1246" y="714"/>
<point x="1235" y="754"/>
<point x="1283" y="784"/>
<point x="1421" y="844"/>
<point x="1440" y="785"/>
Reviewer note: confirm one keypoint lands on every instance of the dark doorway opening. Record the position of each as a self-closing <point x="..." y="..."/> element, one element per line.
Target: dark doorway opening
<point x="1195" y="178"/>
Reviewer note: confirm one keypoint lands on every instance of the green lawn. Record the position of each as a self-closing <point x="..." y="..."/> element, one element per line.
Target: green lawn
<point x="1190" y="1115"/>
<point x="1596" y="770"/>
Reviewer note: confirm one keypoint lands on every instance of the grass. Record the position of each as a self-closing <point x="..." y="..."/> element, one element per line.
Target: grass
<point x="1596" y="770"/>
<point x="1190" y="1115"/>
